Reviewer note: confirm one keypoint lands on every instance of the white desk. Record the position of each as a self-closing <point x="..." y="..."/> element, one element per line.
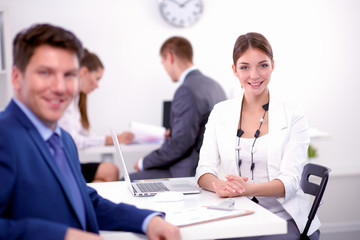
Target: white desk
<point x="131" y="153"/>
<point x="318" y="134"/>
<point x="262" y="222"/>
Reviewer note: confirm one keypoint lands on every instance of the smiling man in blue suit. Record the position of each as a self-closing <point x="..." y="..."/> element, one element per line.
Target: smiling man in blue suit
<point x="43" y="194"/>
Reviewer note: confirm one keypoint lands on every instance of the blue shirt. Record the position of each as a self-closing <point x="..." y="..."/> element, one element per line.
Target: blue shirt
<point x="45" y="131"/>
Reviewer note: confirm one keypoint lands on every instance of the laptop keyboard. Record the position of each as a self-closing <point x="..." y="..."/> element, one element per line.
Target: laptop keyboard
<point x="152" y="187"/>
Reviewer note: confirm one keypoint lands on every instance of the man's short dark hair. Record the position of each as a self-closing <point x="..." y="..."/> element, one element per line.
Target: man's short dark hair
<point x="28" y="40"/>
<point x="179" y="46"/>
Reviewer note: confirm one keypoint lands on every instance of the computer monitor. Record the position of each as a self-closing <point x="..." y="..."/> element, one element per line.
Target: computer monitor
<point x="166" y="114"/>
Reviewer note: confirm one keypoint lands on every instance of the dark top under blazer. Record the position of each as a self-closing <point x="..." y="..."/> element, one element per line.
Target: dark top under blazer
<point x="190" y="109"/>
<point x="34" y="203"/>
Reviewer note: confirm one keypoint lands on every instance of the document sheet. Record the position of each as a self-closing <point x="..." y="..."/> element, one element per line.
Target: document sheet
<point x="197" y="215"/>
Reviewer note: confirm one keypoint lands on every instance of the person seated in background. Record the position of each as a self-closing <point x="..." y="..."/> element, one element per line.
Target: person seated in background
<point x="193" y="100"/>
<point x="259" y="141"/>
<point x="43" y="194"/>
<point x="75" y="121"/>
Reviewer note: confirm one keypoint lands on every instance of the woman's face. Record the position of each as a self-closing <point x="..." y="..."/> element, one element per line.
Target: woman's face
<point x="89" y="80"/>
<point x="253" y="69"/>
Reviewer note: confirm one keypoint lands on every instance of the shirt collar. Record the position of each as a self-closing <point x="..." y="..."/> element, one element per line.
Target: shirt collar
<point x="45" y="132"/>
<point x="185" y="73"/>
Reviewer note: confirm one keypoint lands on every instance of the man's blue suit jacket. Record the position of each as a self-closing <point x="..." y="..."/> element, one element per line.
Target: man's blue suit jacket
<point x="34" y="201"/>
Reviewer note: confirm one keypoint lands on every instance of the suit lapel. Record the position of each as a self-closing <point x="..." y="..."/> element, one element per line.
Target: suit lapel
<point x="89" y="213"/>
<point x="43" y="148"/>
<point x="38" y="140"/>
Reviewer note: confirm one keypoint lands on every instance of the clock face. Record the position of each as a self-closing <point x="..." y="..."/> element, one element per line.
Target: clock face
<point x="181" y="13"/>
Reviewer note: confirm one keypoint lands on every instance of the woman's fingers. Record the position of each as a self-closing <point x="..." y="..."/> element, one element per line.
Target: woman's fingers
<point x="236" y="182"/>
<point x="227" y="189"/>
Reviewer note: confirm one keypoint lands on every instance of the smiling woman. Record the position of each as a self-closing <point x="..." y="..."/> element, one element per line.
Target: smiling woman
<point x="270" y="138"/>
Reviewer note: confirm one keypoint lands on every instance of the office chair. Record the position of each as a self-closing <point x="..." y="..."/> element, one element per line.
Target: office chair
<point x="314" y="189"/>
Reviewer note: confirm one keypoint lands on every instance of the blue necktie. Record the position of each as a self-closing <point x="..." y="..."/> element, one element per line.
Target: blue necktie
<point x="69" y="178"/>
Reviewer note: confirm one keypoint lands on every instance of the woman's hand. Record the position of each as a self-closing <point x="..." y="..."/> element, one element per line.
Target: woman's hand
<point x="234" y="186"/>
<point x="126" y="137"/>
<point x="237" y="180"/>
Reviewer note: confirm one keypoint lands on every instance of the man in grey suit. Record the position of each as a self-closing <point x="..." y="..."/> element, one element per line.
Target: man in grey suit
<point x="190" y="108"/>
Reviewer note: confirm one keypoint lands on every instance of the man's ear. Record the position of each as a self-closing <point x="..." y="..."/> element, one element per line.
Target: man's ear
<point x="16" y="78"/>
<point x="170" y="57"/>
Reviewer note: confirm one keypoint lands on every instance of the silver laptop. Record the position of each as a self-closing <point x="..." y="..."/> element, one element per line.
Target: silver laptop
<point x="143" y="188"/>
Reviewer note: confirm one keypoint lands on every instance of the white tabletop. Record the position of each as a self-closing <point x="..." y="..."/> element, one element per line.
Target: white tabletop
<point x="136" y="147"/>
<point x="131" y="152"/>
<point x="261" y="222"/>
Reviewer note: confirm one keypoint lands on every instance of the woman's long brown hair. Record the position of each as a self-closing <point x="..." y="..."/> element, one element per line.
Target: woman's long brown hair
<point x="92" y="63"/>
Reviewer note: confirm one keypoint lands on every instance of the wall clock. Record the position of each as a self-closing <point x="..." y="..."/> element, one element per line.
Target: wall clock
<point x="181" y="13"/>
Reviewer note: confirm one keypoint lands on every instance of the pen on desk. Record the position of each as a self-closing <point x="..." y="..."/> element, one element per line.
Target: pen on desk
<point x="220" y="208"/>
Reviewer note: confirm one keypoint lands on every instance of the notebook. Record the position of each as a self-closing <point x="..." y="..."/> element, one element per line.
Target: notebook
<point x="143" y="188"/>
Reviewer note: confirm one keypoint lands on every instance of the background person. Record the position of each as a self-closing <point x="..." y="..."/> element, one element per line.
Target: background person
<point x="259" y="141"/>
<point x="75" y="121"/>
<point x="190" y="108"/>
<point x="43" y="194"/>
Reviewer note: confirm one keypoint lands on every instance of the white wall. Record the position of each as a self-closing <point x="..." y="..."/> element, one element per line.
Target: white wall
<point x="316" y="47"/>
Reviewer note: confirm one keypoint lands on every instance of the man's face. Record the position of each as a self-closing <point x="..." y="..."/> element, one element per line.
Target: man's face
<point x="48" y="83"/>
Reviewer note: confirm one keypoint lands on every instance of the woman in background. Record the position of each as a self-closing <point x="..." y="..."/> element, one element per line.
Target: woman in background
<point x="76" y="122"/>
<point x="259" y="142"/>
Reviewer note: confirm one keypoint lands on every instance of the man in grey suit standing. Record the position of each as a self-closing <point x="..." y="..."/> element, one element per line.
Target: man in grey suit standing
<point x="190" y="108"/>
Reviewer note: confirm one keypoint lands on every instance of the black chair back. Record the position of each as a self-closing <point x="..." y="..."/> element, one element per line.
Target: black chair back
<point x="314" y="189"/>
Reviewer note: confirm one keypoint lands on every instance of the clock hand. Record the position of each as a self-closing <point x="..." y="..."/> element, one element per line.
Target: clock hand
<point x="185" y="3"/>
<point x="175" y="2"/>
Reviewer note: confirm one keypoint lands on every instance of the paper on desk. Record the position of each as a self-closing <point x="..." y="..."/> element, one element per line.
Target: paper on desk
<point x="147" y="133"/>
<point x="190" y="216"/>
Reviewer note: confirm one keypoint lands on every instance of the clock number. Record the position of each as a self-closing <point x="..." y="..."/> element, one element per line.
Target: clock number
<point x="181" y="13"/>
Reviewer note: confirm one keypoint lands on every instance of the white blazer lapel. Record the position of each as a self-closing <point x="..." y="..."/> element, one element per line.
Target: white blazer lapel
<point x="278" y="135"/>
<point x="226" y="134"/>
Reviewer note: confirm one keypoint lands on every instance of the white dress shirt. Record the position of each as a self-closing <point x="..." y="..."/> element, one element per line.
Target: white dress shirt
<point x="71" y="122"/>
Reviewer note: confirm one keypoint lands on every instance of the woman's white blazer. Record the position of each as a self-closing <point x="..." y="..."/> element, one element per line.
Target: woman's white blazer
<point x="288" y="141"/>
